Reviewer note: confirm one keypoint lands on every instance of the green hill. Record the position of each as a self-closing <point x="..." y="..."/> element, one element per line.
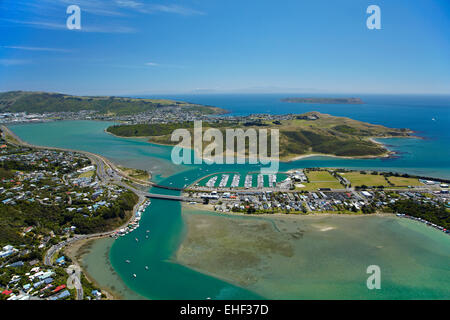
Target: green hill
<point x="310" y="133"/>
<point x="41" y="102"/>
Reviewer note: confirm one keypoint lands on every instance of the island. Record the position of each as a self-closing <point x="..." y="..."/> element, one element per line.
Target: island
<point x="324" y="100"/>
<point x="301" y="135"/>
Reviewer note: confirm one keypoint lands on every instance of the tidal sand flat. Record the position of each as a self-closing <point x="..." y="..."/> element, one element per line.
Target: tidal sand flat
<point x="93" y="257"/>
<point x="314" y="257"/>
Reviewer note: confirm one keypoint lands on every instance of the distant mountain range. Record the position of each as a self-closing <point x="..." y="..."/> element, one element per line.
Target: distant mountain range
<point x="42" y="102"/>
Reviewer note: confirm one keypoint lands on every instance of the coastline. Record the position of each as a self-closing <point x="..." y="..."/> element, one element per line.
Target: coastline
<point x="76" y="246"/>
<point x="385" y="155"/>
<point x="76" y="252"/>
<point x="209" y="209"/>
<point x="98" y="248"/>
<point x="293" y="216"/>
<point x="263" y="252"/>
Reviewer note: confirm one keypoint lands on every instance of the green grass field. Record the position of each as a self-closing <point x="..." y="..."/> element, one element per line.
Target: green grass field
<point x="358" y="179"/>
<point x="313" y="186"/>
<point x="400" y="181"/>
<point x="320" y="179"/>
<point x="320" y="176"/>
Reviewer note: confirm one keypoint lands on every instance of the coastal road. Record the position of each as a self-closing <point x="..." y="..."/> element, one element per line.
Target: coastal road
<point x="98" y="160"/>
<point x="74" y="282"/>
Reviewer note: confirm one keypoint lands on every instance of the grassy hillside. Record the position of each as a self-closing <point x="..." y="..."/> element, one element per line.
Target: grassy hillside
<point x="40" y="102"/>
<point x="326" y="135"/>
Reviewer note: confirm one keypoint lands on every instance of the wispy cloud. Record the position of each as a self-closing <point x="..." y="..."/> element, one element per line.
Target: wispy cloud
<point x="36" y="49"/>
<point x="62" y="26"/>
<point x="174" y="9"/>
<point x="129" y="4"/>
<point x="154" y="8"/>
<point x="38" y="24"/>
<point x="154" y="64"/>
<point x="119" y="8"/>
<point x="13" y="62"/>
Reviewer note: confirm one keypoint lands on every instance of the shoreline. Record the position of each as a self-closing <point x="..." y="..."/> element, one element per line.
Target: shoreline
<point x="75" y="246"/>
<point x="385" y="155"/>
<point x="284" y="245"/>
<point x="227" y="215"/>
<point x="75" y="251"/>
<point x="209" y="209"/>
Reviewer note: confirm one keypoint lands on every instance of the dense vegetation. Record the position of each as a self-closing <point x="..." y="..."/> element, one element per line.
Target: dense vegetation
<point x="147" y="130"/>
<point x="429" y="212"/>
<point x="157" y="129"/>
<point x="40" y="102"/>
<point x="13" y="219"/>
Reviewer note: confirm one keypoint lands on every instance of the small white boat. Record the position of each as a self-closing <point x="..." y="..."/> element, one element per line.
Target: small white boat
<point x="127" y="261"/>
<point x="134" y="275"/>
<point x="146" y="267"/>
<point x="137" y="240"/>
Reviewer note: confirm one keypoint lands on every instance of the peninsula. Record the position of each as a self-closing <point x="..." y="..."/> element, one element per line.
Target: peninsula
<point x="300" y="135"/>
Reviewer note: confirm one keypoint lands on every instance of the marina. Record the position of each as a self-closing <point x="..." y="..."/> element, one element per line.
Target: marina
<point x="248" y="181"/>
<point x="134" y="224"/>
<point x="224" y="181"/>
<point x="212" y="182"/>
<point x="236" y="180"/>
<point x="260" y="181"/>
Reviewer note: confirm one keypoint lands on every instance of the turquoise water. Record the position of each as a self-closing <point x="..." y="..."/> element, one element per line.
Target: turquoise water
<point x="430" y="156"/>
<point x="166" y="279"/>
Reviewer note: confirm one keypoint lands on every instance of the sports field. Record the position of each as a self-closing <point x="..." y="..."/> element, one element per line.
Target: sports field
<point x="405" y="182"/>
<point x="359" y="179"/>
<point x="321" y="179"/>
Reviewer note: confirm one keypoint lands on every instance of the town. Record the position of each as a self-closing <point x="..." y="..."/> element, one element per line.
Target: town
<point x="316" y="191"/>
<point x="161" y="115"/>
<point x="47" y="199"/>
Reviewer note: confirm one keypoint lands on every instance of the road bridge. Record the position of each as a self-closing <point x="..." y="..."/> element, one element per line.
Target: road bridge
<point x="168" y="197"/>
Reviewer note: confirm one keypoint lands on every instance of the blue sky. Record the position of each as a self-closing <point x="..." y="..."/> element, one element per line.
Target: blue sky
<point x="149" y="47"/>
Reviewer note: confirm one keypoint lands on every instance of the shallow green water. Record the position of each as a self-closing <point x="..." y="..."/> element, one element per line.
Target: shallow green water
<point x="422" y="251"/>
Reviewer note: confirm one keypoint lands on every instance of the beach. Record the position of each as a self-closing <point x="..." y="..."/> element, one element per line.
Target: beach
<point x="93" y="257"/>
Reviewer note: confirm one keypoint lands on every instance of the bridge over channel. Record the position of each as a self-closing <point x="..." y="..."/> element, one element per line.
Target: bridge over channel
<point x="168" y="197"/>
